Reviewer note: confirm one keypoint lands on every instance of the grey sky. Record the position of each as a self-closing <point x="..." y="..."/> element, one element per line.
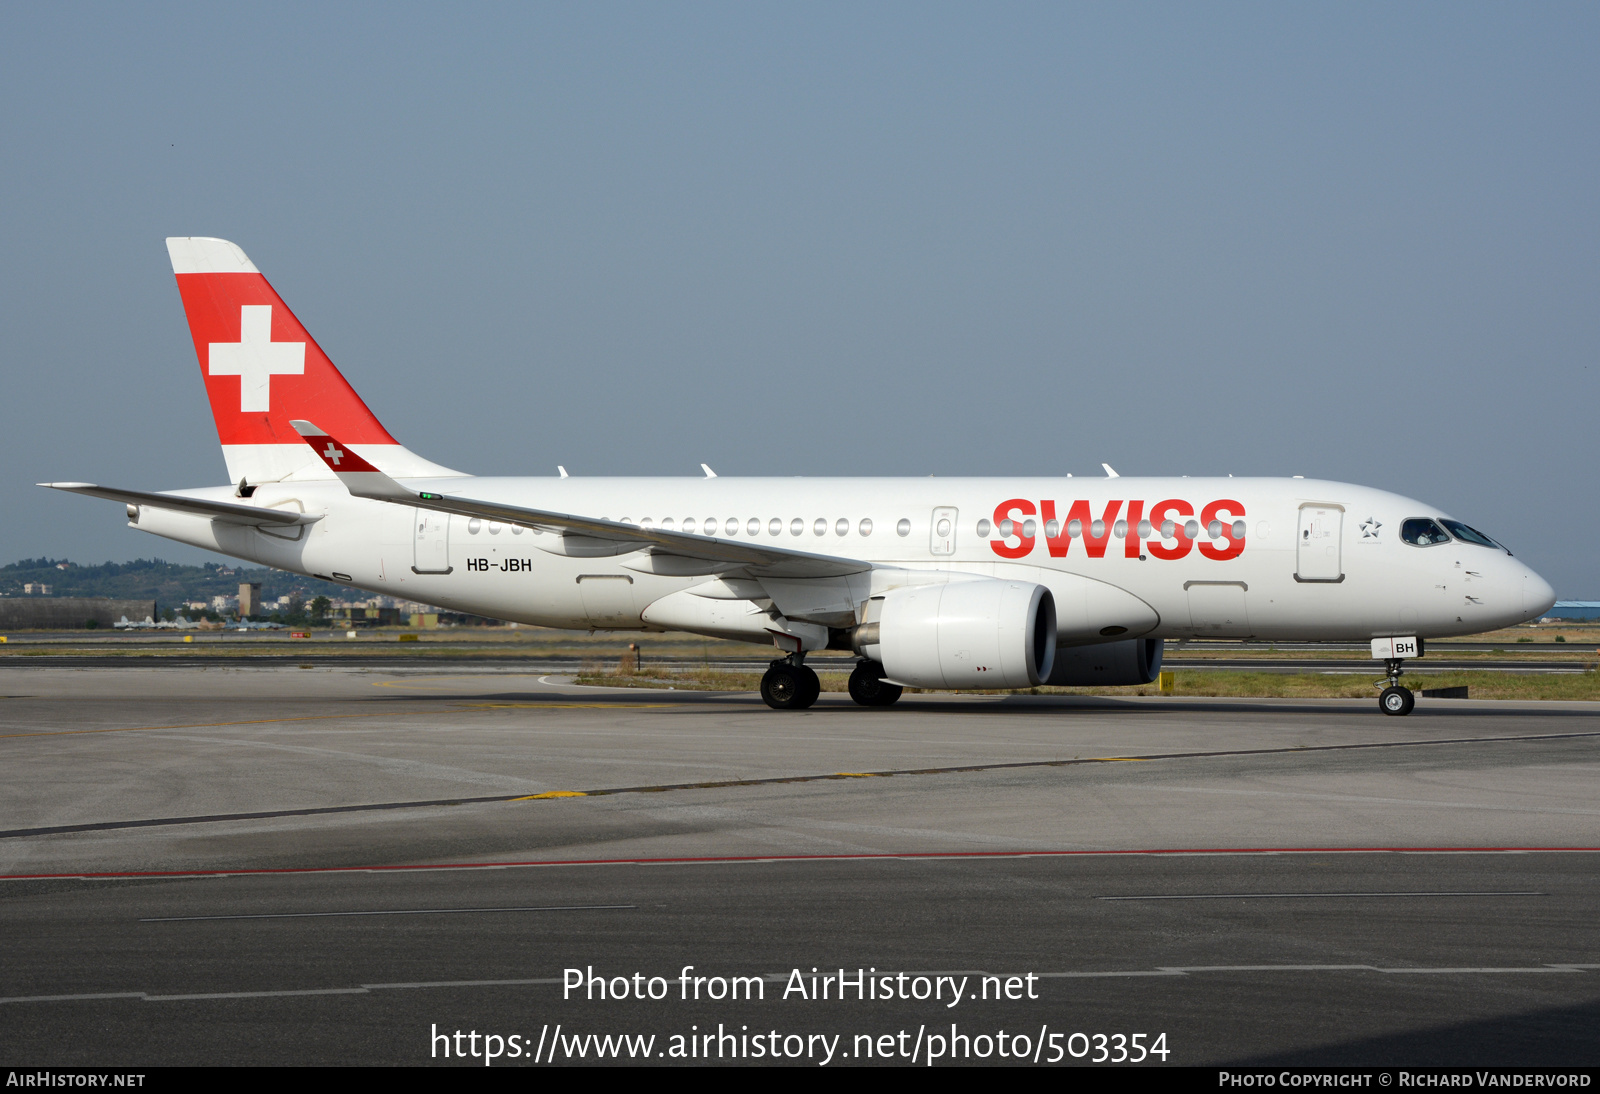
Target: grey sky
<point x="1348" y="241"/>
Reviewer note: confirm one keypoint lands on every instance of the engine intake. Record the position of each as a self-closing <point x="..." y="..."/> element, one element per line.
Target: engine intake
<point x="982" y="633"/>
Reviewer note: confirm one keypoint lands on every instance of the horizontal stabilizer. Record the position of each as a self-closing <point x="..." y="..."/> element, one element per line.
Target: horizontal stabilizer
<point x="225" y="511"/>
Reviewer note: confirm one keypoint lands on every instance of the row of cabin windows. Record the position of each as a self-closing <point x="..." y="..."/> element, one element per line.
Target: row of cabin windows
<point x="712" y="526"/>
<point x="1190" y="529"/>
<point x="774" y="527"/>
<point x="841" y="527"/>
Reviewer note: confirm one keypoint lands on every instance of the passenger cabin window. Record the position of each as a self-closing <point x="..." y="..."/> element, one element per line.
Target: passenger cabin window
<point x="1471" y="535"/>
<point x="1422" y="532"/>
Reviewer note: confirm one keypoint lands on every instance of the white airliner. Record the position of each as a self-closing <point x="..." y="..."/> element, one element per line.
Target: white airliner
<point x="934" y="583"/>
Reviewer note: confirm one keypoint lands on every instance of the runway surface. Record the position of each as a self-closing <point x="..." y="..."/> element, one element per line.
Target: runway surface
<point x="259" y="865"/>
<point x="263" y="656"/>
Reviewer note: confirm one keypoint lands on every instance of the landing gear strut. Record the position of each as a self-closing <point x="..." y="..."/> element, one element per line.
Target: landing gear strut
<point x="789" y="684"/>
<point x="868" y="688"/>
<point x="1395" y="699"/>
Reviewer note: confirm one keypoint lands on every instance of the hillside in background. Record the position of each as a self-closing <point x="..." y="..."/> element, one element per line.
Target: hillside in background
<point x="166" y="582"/>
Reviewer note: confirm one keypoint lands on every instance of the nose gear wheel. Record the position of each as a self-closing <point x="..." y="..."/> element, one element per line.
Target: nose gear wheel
<point x="1394" y="699"/>
<point x="1397" y="701"/>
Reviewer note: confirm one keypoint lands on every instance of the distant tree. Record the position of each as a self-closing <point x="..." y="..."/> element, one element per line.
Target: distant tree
<point x="319" y="607"/>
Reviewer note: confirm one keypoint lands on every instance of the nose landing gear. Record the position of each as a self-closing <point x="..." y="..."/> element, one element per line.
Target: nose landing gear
<point x="1394" y="699"/>
<point x="789" y="685"/>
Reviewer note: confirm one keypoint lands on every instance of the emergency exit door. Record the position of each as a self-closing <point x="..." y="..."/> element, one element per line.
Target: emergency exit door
<point x="1317" y="549"/>
<point x="942" y="535"/>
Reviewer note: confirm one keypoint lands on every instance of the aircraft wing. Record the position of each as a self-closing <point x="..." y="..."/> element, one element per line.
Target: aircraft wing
<point x="365" y="481"/>
<point x="225" y="511"/>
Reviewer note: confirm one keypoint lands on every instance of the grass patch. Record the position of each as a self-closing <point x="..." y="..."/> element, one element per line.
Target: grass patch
<point x="1316" y="685"/>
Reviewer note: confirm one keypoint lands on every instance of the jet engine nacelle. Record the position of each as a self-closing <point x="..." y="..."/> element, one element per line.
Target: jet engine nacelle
<point x="982" y="633"/>
<point x="1110" y="664"/>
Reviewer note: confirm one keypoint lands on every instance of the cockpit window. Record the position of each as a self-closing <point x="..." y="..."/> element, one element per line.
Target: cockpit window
<point x="1471" y="535"/>
<point x="1423" y="532"/>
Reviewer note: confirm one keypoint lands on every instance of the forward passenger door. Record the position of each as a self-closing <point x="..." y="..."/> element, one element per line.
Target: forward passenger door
<point x="1317" y="549"/>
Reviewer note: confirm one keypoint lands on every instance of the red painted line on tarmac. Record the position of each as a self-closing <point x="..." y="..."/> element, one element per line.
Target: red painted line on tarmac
<point x="858" y="857"/>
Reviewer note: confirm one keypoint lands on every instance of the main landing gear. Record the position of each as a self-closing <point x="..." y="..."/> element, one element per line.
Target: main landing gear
<point x="789" y="684"/>
<point x="868" y="687"/>
<point x="1395" y="699"/>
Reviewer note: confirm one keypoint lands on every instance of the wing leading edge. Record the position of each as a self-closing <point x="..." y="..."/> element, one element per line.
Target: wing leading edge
<point x="365" y="481"/>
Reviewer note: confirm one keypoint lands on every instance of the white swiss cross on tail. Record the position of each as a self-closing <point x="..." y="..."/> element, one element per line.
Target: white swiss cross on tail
<point x="255" y="358"/>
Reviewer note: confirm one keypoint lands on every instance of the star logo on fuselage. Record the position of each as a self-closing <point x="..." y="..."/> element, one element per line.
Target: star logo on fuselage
<point x="1369" y="528"/>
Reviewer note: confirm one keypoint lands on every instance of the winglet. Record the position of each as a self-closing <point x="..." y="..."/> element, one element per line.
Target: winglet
<point x="359" y="477"/>
<point x="1110" y="474"/>
<point x="710" y="474"/>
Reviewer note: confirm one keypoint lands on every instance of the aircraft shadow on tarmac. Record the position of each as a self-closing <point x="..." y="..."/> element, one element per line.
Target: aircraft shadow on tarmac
<point x="1554" y="1036"/>
<point x="1012" y="704"/>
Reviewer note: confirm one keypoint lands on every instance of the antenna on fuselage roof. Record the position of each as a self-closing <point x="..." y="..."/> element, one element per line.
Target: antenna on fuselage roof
<point x="563" y="471"/>
<point x="710" y="474"/>
<point x="1111" y="472"/>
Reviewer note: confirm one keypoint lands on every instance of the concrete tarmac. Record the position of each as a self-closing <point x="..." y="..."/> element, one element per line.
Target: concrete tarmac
<point x="1260" y="880"/>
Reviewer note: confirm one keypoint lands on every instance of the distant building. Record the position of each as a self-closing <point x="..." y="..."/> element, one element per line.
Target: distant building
<point x="1575" y="609"/>
<point x="249" y="598"/>
<point x="361" y="616"/>
<point x="36" y="588"/>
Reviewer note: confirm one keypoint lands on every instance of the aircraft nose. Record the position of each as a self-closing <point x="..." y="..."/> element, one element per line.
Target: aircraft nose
<point x="1537" y="595"/>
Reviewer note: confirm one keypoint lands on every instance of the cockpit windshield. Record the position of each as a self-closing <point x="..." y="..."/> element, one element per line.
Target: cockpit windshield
<point x="1422" y="532"/>
<point x="1471" y="535"/>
